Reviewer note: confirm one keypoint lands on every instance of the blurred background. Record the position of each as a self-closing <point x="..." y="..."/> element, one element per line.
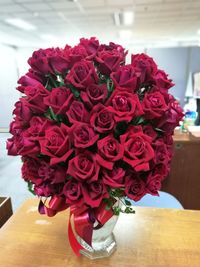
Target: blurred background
<point x="167" y="30"/>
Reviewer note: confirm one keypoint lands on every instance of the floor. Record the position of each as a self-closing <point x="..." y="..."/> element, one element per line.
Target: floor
<point x="11" y="183"/>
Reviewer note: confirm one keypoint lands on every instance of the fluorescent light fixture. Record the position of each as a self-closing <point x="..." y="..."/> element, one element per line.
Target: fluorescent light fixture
<point x="20" y="23"/>
<point x="125" y="34"/>
<point x="128" y="17"/>
<point x="117" y="20"/>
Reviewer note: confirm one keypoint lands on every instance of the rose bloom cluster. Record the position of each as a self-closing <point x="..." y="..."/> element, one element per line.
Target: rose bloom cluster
<point x="88" y="124"/>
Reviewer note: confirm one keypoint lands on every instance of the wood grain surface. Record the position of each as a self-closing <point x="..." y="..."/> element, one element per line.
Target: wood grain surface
<point x="151" y="237"/>
<point x="183" y="181"/>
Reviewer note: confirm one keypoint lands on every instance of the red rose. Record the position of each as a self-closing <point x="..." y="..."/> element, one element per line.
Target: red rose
<point x="102" y="120"/>
<point x="161" y="152"/>
<point x="109" y="58"/>
<point x="82" y="75"/>
<point x="55" y="144"/>
<point x="124" y="105"/>
<point x="171" y="118"/>
<point x="59" y="61"/>
<point x="161" y="80"/>
<point x="91" y="45"/>
<point x="154" y="105"/>
<point x="162" y="170"/>
<point x="84" y="167"/>
<point x="76" y="54"/>
<point x="59" y="100"/>
<point x="73" y="192"/>
<point x="146" y="65"/>
<point x="17" y="126"/>
<point x="47" y="190"/>
<point x="23" y="144"/>
<point x="137" y="149"/>
<point x="135" y="187"/>
<point x="35" y="98"/>
<point x="114" y="178"/>
<point x="22" y="110"/>
<point x="126" y="76"/>
<point x="149" y="130"/>
<point x="94" y="94"/>
<point x="40" y="60"/>
<point x="30" y="170"/>
<point x="29" y="79"/>
<point x="93" y="193"/>
<point x="38" y="126"/>
<point x="109" y="151"/>
<point x="83" y="135"/>
<point x="77" y="112"/>
<point x="153" y="184"/>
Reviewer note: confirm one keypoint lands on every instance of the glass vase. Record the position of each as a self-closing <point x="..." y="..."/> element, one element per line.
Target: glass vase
<point x="103" y="241"/>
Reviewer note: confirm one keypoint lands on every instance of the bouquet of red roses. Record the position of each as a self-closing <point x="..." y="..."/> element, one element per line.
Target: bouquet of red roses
<point x="91" y="129"/>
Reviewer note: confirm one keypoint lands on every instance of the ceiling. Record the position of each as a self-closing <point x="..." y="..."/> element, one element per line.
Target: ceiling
<point x="157" y="22"/>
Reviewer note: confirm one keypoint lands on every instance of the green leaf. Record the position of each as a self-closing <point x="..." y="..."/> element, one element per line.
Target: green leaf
<point x="31" y="187"/>
<point x="52" y="114"/>
<point x="75" y="92"/>
<point x="127" y="202"/>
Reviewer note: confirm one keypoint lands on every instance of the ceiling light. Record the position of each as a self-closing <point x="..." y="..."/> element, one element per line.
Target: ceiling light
<point x="20" y="23"/>
<point x="117" y="20"/>
<point x="128" y="17"/>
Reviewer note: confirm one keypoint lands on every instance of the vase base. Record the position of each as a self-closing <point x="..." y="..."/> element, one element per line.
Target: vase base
<point x="105" y="251"/>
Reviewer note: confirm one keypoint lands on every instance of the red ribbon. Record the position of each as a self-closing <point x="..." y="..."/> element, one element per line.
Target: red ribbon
<point x="84" y="219"/>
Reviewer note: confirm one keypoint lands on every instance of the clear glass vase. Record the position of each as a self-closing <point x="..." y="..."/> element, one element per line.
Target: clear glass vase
<point x="103" y="241"/>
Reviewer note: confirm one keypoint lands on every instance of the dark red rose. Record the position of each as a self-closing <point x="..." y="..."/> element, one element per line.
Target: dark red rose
<point x="59" y="99"/>
<point x="102" y="120"/>
<point x="93" y="193"/>
<point x="146" y="65"/>
<point x="52" y="174"/>
<point x="17" y="126"/>
<point x="114" y="178"/>
<point x="126" y="106"/>
<point x="22" y="110"/>
<point x="82" y="75"/>
<point x="149" y="130"/>
<point x="162" y="170"/>
<point x="126" y="77"/>
<point x="40" y="60"/>
<point x="73" y="192"/>
<point x="23" y="144"/>
<point x="161" y="152"/>
<point x="30" y="170"/>
<point x="82" y="135"/>
<point x="153" y="184"/>
<point x="77" y="112"/>
<point x="137" y="149"/>
<point x="170" y="120"/>
<point x="154" y="105"/>
<point x="135" y="187"/>
<point x="109" y="151"/>
<point x="109" y="58"/>
<point x="94" y="94"/>
<point x="161" y="80"/>
<point x="59" y="61"/>
<point x="84" y="167"/>
<point x="29" y="79"/>
<point x="47" y="190"/>
<point x="38" y="126"/>
<point x="76" y="54"/>
<point x="56" y="144"/>
<point x="35" y="98"/>
<point x="91" y="45"/>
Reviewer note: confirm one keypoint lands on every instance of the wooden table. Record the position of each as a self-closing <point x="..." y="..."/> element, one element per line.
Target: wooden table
<point x="151" y="237"/>
<point x="184" y="179"/>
